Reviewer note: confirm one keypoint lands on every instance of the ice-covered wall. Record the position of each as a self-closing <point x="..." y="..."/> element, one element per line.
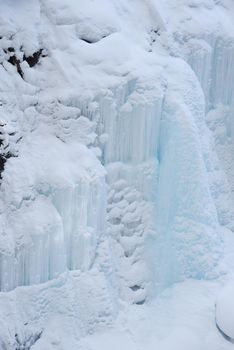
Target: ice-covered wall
<point x="186" y="214"/>
<point x="55" y="228"/>
<point x="147" y="128"/>
<point x="217" y="66"/>
<point x="121" y="166"/>
<point x="52" y="216"/>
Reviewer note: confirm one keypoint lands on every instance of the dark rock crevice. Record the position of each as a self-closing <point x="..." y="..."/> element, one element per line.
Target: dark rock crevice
<point x="6" y="141"/>
<point x="16" y="62"/>
<point x="93" y="41"/>
<point x="32" y="60"/>
<point x="27" y="343"/>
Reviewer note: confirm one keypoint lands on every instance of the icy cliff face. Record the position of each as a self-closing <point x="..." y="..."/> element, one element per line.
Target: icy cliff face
<point x="116" y="155"/>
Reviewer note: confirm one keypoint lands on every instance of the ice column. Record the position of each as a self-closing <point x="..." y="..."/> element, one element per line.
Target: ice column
<point x="130" y="116"/>
<point x="40" y="257"/>
<point x="82" y="209"/>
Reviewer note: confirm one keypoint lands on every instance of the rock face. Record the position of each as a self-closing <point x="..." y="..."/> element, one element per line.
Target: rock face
<point x="116" y="154"/>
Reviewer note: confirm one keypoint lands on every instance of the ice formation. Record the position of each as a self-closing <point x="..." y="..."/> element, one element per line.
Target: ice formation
<point x="120" y="180"/>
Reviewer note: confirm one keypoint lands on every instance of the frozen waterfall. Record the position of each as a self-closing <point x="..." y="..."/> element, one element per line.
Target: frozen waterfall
<point x="144" y="161"/>
<point x="159" y="205"/>
<point x="116" y="172"/>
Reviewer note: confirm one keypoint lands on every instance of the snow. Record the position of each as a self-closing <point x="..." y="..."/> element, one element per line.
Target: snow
<point x="116" y="205"/>
<point x="181" y="317"/>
